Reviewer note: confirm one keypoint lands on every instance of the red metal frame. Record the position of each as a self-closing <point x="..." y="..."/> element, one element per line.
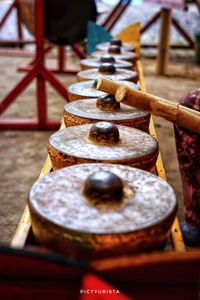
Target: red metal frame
<point x="62" y="60"/>
<point x="41" y="73"/>
<point x="109" y="23"/>
<point x="20" y="41"/>
<point x="36" y="69"/>
<point x="122" y="5"/>
<point x="178" y="27"/>
<point x="115" y="14"/>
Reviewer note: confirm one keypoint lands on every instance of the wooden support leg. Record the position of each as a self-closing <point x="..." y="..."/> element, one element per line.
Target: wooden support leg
<point x="163" y="49"/>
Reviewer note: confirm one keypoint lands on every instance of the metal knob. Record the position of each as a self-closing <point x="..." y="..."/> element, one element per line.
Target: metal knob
<point x="107" y="103"/>
<point x="115" y="41"/>
<point x="114" y="49"/>
<point x="103" y="187"/>
<point x="104" y="133"/>
<point x="106" y="58"/>
<point x="107" y="68"/>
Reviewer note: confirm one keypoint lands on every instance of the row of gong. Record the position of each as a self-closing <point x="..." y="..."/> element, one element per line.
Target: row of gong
<point x="102" y="199"/>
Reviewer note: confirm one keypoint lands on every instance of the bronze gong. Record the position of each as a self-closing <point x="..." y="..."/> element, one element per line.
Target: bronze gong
<point x="101" y="210"/>
<point x="65" y="20"/>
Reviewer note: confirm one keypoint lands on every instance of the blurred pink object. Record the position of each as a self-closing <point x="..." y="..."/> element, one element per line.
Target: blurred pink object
<point x="188" y="151"/>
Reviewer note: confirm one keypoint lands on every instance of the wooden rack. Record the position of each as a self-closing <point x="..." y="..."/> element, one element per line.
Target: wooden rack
<point x="169" y="274"/>
<point x="24" y="226"/>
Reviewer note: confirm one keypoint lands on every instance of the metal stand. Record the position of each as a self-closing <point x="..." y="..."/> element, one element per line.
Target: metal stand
<point x="108" y="24"/>
<point x="39" y="72"/>
<point x="61" y="57"/>
<point x="62" y="61"/>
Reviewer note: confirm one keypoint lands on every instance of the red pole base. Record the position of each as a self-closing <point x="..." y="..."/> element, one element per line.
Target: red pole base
<point x="27" y="124"/>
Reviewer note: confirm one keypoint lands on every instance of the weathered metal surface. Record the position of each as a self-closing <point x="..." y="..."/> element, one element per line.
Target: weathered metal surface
<point x="22" y="234"/>
<point x="72" y="146"/>
<point x="124" y="55"/>
<point x="84" y="90"/>
<point x="105" y="46"/>
<point x="88" y="109"/>
<point x="83" y="112"/>
<point x="62" y="217"/>
<point x="89" y="63"/>
<point x="119" y="74"/>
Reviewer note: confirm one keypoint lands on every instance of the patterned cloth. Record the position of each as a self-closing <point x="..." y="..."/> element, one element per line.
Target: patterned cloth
<point x="188" y="151"/>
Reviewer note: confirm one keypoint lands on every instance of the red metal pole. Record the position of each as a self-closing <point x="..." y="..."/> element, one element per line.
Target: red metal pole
<point x="19" y="23"/>
<point x="17" y="90"/>
<point x="20" y="41"/>
<point x="107" y="20"/>
<point x="38" y="70"/>
<point x="150" y="22"/>
<point x="41" y="92"/>
<point x="7" y="14"/>
<point x="78" y="51"/>
<point x="58" y="86"/>
<point x="61" y="58"/>
<point x="183" y="32"/>
<point x="118" y="15"/>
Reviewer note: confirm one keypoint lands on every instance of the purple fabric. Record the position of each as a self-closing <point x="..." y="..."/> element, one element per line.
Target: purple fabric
<point x="188" y="151"/>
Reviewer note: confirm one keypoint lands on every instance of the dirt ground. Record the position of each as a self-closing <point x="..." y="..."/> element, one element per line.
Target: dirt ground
<point x="22" y="153"/>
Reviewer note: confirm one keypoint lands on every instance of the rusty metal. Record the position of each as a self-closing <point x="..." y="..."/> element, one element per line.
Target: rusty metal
<point x="71" y="223"/>
<point x="117" y="75"/>
<point x="91" y="63"/>
<point x="72" y="146"/>
<point x="85" y="112"/>
<point x="22" y="235"/>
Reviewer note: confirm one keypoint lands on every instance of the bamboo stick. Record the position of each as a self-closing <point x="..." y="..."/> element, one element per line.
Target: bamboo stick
<point x="181" y="115"/>
<point x="106" y="85"/>
<point x="110" y="86"/>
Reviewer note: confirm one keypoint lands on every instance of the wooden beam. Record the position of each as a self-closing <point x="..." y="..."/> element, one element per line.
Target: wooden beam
<point x="163" y="49"/>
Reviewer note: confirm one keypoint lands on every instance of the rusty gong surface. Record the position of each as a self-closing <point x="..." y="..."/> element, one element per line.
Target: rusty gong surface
<point x="119" y="74"/>
<point x="95" y="63"/>
<point x="124" y="55"/>
<point x="58" y="198"/>
<point x="105" y="46"/>
<point x="84" y="88"/>
<point x="133" y="145"/>
<point x="88" y="109"/>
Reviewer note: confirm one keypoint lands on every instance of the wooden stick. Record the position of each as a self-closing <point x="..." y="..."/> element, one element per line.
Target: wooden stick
<point x="160" y="107"/>
<point x="109" y="86"/>
<point x="192" y="111"/>
<point x="181" y="115"/>
<point x="106" y="85"/>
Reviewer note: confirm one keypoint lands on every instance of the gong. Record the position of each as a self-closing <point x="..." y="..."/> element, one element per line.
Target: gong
<point x="65" y="20"/>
